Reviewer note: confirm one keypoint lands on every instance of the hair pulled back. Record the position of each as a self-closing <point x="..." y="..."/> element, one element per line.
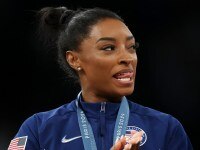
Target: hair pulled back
<point x="66" y="29"/>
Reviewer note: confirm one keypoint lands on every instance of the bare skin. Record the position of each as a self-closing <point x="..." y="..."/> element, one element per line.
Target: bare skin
<point x="108" y="61"/>
<point x="108" y="50"/>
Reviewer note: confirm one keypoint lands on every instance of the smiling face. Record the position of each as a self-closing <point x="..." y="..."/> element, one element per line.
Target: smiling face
<point x="108" y="61"/>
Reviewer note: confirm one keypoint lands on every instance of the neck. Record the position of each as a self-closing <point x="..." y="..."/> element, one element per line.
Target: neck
<point x="93" y="98"/>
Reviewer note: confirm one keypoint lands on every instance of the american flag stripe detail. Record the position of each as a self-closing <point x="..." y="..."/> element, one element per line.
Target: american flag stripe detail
<point x="18" y="143"/>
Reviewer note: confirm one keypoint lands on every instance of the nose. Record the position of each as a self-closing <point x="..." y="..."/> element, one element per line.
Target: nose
<point x="126" y="57"/>
<point x="126" y="61"/>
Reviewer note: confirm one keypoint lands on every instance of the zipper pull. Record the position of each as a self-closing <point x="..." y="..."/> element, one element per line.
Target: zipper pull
<point x="103" y="107"/>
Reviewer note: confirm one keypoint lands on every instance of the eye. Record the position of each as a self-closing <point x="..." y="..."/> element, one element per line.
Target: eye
<point x="134" y="46"/>
<point x="109" y="48"/>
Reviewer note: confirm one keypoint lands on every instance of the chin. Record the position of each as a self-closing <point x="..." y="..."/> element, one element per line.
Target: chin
<point x="117" y="95"/>
<point x="125" y="92"/>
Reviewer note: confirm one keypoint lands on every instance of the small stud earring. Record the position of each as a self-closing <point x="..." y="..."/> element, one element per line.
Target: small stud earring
<point x="79" y="68"/>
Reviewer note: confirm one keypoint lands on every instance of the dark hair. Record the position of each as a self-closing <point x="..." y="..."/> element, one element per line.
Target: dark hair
<point x="68" y="28"/>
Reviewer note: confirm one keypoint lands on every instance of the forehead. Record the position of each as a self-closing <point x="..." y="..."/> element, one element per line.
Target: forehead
<point x="110" y="28"/>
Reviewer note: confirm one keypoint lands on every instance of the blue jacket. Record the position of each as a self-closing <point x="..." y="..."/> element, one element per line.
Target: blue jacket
<point x="58" y="129"/>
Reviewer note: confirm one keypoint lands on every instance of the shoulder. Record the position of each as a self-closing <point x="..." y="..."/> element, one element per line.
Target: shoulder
<point x="57" y="112"/>
<point x="153" y="114"/>
<point x="155" y="121"/>
<point x="34" y="125"/>
<point x="40" y="119"/>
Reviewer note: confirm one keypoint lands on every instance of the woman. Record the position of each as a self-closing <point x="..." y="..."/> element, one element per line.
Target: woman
<point x="96" y="47"/>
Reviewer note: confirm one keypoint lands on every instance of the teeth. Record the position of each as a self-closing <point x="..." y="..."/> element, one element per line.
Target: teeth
<point x="124" y="79"/>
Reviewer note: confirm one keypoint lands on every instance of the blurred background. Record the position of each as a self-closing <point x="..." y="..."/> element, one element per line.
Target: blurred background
<point x="168" y="73"/>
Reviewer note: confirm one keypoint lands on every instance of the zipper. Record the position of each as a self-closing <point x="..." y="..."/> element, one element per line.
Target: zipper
<point x="103" y="125"/>
<point x="103" y="107"/>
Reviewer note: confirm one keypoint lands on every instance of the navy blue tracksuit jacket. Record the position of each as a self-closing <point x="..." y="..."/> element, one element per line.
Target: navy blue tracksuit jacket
<point x="58" y="129"/>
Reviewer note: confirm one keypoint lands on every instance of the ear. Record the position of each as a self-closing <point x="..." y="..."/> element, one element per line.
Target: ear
<point x="73" y="59"/>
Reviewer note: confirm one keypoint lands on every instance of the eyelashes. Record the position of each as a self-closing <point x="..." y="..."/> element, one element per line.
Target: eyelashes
<point x="109" y="48"/>
<point x="113" y="47"/>
<point x="136" y="45"/>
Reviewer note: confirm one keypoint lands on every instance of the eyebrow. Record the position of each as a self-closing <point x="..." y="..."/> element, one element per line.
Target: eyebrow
<point x="130" y="38"/>
<point x="113" y="39"/>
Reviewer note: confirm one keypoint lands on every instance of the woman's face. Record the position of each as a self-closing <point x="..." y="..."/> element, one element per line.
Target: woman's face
<point x="108" y="60"/>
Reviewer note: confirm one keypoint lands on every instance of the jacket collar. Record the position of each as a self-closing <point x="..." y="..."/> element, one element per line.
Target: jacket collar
<point x="94" y="109"/>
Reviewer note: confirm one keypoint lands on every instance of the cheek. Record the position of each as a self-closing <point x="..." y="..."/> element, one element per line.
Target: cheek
<point x="98" y="67"/>
<point x="102" y="66"/>
<point x="135" y="60"/>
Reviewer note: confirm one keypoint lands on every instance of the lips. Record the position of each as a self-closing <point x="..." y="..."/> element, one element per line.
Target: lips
<point x="124" y="78"/>
<point x="124" y="75"/>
